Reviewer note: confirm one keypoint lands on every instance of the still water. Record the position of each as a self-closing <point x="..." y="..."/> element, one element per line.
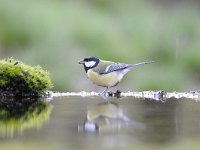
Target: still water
<point x="93" y="122"/>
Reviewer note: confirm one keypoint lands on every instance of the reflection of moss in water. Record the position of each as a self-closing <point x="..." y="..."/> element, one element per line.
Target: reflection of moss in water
<point x="19" y="114"/>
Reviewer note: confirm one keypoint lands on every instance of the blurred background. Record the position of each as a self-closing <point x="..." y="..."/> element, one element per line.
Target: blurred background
<point x="56" y="34"/>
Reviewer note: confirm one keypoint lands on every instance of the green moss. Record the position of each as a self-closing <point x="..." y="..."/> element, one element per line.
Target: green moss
<point x="18" y="79"/>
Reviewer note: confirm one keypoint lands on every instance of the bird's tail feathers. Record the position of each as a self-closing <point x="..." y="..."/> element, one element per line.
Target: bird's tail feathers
<point x="142" y="63"/>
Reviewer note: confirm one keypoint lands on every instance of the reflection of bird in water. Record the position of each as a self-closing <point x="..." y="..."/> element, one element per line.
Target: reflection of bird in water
<point x="106" y="117"/>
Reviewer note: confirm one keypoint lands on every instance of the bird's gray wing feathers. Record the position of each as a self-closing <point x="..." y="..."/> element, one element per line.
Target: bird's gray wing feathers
<point x="124" y="68"/>
<point x="115" y="67"/>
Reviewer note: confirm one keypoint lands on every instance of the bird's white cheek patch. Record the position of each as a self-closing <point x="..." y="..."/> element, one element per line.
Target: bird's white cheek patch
<point x="90" y="63"/>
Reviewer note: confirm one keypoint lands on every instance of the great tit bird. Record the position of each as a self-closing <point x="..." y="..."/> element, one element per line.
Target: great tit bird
<point x="106" y="73"/>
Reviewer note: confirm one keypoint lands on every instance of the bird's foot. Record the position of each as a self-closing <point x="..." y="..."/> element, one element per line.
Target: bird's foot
<point x="116" y="94"/>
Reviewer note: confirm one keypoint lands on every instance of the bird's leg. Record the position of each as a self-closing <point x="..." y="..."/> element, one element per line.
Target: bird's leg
<point x="103" y="93"/>
<point x="105" y="90"/>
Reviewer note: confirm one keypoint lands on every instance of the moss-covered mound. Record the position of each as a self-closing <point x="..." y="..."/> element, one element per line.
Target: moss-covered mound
<point x="18" y="79"/>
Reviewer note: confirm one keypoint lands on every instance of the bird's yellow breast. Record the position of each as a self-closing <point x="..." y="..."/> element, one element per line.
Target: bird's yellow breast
<point x="106" y="80"/>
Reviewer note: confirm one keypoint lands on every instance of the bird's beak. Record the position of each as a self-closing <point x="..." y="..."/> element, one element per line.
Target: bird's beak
<point x="81" y="62"/>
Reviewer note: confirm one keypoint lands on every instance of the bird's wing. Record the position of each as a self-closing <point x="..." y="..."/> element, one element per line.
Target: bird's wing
<point x="115" y="67"/>
<point x="105" y="67"/>
<point x="101" y="67"/>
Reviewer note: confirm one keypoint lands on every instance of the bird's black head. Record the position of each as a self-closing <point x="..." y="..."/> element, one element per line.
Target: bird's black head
<point x="89" y="62"/>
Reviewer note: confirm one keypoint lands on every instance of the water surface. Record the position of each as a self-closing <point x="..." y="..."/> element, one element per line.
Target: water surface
<point x="75" y="122"/>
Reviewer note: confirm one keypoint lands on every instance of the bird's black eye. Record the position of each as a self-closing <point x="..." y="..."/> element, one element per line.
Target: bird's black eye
<point x="86" y="60"/>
